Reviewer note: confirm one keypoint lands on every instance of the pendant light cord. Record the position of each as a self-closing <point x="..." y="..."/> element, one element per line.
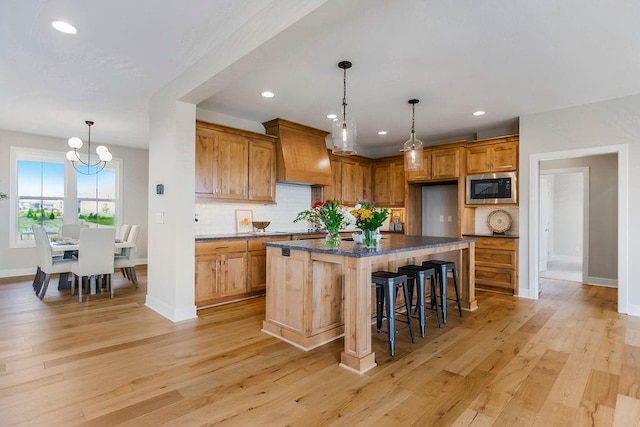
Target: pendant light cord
<point x="344" y="98"/>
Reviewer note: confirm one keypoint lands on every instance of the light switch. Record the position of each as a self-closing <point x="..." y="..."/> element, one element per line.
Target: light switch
<point x="441" y="218"/>
<point x="159" y="217"/>
<point x="449" y="218"/>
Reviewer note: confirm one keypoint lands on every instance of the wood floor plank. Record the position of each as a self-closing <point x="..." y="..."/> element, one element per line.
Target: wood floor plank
<point x="555" y="414"/>
<point x="629" y="384"/>
<point x="551" y="361"/>
<point x="601" y="389"/>
<point x="627" y="412"/>
<point x="534" y="390"/>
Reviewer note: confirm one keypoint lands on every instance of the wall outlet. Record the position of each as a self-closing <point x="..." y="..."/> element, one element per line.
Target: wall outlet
<point x="449" y="218"/>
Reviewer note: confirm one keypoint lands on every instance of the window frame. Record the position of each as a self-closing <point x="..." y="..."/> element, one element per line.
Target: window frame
<point x="70" y="188"/>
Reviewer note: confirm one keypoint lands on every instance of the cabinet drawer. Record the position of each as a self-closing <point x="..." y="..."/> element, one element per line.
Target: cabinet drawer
<point x="496" y="243"/>
<point x="217" y="246"/>
<point x="257" y="244"/>
<point x="496" y="258"/>
<point x="500" y="278"/>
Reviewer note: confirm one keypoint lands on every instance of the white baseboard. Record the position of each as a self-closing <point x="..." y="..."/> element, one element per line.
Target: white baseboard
<point x="171" y="313"/>
<point x="17" y="272"/>
<point x="633" y="309"/>
<point x="601" y="281"/>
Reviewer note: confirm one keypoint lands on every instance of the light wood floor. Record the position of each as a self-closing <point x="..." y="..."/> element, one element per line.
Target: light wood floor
<point x="566" y="359"/>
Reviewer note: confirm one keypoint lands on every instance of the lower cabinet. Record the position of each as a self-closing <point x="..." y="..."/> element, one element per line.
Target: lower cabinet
<point x="497" y="264"/>
<point x="230" y="270"/>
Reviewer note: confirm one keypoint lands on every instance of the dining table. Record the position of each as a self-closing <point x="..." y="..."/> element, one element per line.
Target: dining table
<point x="70" y="248"/>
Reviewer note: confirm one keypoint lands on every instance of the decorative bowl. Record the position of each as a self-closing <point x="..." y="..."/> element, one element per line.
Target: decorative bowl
<point x="260" y="225"/>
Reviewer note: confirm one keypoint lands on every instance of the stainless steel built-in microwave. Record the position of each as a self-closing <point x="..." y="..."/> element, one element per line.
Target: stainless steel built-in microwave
<point x="492" y="188"/>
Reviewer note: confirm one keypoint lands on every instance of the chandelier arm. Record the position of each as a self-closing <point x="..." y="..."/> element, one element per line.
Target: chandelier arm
<point x="88" y="166"/>
<point x="88" y="162"/>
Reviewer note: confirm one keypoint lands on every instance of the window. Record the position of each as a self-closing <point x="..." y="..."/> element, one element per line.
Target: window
<point x="97" y="197"/>
<point x="46" y="189"/>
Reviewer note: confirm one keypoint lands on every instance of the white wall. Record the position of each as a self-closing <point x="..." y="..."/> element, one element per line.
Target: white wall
<point x="14" y="262"/>
<point x="603" y="210"/>
<point x="612" y="124"/>
<point x="567" y="215"/>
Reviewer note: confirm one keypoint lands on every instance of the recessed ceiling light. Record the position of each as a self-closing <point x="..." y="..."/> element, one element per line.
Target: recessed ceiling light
<point x="382" y="132"/>
<point x="64" y="27"/>
<point x="331" y="116"/>
<point x="478" y="113"/>
<point x="267" y="94"/>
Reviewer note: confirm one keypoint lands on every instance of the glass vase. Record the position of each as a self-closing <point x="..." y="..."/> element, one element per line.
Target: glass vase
<point x="333" y="239"/>
<point x="369" y="238"/>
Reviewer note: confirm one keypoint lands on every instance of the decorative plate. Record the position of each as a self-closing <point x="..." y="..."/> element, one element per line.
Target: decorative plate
<point x="499" y="221"/>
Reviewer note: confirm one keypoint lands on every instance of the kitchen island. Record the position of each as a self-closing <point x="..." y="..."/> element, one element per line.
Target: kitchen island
<point x="315" y="295"/>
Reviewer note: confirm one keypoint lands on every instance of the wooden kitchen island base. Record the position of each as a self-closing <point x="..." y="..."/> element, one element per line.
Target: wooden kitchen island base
<point x="316" y="295"/>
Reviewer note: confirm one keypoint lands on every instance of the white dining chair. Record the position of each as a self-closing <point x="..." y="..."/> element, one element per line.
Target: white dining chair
<point x="124" y="232"/>
<point x="126" y="262"/>
<point x="95" y="258"/>
<point x="72" y="231"/>
<point x="122" y="235"/>
<point x="47" y="263"/>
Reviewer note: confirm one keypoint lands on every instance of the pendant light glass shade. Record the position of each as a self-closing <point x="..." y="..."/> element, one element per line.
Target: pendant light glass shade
<point x="344" y="131"/>
<point x="413" y="148"/>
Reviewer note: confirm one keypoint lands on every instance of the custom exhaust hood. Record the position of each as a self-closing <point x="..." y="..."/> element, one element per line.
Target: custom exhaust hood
<point x="301" y="153"/>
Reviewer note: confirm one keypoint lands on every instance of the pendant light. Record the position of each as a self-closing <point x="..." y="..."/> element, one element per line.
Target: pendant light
<point x="344" y="126"/>
<point x="73" y="156"/>
<point x="413" y="147"/>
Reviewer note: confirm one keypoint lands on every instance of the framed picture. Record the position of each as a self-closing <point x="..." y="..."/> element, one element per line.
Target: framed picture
<point x="243" y="220"/>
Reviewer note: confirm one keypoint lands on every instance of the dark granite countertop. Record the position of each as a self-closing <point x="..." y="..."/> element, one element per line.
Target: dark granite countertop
<point x="497" y="236"/>
<point x="392" y="243"/>
<point x="254" y="235"/>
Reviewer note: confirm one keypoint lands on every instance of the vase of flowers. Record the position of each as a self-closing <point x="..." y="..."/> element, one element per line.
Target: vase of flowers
<point x="369" y="219"/>
<point x="328" y="215"/>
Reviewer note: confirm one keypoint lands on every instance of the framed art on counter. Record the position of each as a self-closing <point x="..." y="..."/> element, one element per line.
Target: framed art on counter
<point x="244" y="217"/>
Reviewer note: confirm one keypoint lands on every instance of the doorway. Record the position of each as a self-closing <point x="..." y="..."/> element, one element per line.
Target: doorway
<point x="564" y="223"/>
<point x="617" y="239"/>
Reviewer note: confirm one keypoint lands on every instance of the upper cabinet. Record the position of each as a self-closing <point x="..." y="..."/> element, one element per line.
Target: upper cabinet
<point x="234" y="165"/>
<point x="493" y="155"/>
<point x="356" y="181"/>
<point x="439" y="164"/>
<point x="389" y="182"/>
<point x="350" y="181"/>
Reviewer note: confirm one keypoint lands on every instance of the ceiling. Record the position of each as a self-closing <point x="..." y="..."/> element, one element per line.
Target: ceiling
<point x="509" y="58"/>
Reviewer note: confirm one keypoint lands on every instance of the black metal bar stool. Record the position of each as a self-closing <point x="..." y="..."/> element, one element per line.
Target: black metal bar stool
<point x="442" y="268"/>
<point x="417" y="274"/>
<point x="387" y="284"/>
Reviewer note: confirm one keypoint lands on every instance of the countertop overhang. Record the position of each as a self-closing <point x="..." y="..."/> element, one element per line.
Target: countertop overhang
<point x="388" y="245"/>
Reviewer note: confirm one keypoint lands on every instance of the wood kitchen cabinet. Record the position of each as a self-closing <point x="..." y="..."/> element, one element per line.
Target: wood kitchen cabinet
<point x="221" y="268"/>
<point x="439" y="164"/>
<point x="257" y="263"/>
<point x="356" y="182"/>
<point x="389" y="182"/>
<point x="351" y="181"/>
<point x="493" y="155"/>
<point x="234" y="165"/>
<point x="231" y="270"/>
<point x="333" y="191"/>
<point x="497" y="264"/>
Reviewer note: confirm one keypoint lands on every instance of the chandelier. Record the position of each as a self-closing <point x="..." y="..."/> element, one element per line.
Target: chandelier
<point x="87" y="168"/>
<point x="344" y="127"/>
<point x="413" y="147"/>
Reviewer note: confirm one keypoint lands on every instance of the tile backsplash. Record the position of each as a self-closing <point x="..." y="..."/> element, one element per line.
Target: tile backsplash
<point x="483" y="213"/>
<point x="219" y="218"/>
